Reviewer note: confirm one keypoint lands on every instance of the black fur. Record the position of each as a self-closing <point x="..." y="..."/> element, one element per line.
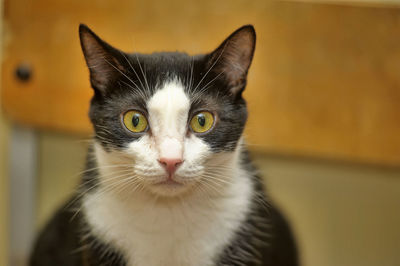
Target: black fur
<point x="214" y="82"/>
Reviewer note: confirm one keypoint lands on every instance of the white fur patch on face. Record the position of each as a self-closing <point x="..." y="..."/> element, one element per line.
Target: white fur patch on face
<point x="168" y="117"/>
<point x="168" y="111"/>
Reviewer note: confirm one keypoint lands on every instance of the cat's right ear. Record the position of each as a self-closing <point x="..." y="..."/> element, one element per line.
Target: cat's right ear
<point x="232" y="59"/>
<point x="101" y="58"/>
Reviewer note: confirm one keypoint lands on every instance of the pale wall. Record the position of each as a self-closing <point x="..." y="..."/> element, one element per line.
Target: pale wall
<point x="60" y="162"/>
<point x="4" y="129"/>
<point x="343" y="215"/>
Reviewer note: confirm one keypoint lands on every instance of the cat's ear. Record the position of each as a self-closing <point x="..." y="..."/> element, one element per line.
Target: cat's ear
<point x="101" y="58"/>
<point x="233" y="57"/>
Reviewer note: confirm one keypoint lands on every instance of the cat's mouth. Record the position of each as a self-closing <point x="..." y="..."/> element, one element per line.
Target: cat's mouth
<point x="169" y="182"/>
<point x="169" y="187"/>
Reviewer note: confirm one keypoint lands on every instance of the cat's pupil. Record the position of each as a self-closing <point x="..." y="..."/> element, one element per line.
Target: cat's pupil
<point x="135" y="120"/>
<point x="201" y="119"/>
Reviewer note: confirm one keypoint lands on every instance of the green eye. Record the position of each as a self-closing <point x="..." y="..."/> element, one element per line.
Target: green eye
<point x="202" y="122"/>
<point x="134" y="121"/>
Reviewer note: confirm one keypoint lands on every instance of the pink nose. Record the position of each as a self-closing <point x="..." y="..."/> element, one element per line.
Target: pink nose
<point x="170" y="164"/>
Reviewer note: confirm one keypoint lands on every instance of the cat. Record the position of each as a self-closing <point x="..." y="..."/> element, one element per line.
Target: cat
<point x="168" y="178"/>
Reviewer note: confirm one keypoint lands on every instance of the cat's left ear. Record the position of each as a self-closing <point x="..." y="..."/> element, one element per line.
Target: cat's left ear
<point x="233" y="57"/>
<point x="102" y="59"/>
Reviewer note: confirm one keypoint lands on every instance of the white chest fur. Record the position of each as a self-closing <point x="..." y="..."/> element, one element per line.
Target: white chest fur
<point x="190" y="231"/>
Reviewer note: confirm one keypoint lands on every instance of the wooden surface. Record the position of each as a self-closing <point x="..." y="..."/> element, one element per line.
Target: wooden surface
<point x="325" y="80"/>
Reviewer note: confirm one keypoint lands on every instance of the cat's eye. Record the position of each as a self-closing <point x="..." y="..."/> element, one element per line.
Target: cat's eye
<point x="202" y="122"/>
<point x="135" y="121"/>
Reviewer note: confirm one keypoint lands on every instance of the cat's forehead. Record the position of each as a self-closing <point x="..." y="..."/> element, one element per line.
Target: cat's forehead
<point x="165" y="62"/>
<point x="170" y="96"/>
<point x="151" y="73"/>
<point x="169" y="101"/>
<point x="164" y="74"/>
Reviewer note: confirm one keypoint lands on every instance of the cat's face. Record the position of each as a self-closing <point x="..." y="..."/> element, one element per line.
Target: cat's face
<point x="168" y="122"/>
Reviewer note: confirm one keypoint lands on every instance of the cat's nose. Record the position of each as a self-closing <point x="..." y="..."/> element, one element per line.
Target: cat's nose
<point x="170" y="164"/>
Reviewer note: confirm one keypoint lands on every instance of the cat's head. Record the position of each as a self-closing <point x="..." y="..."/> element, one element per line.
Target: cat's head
<point x="168" y="122"/>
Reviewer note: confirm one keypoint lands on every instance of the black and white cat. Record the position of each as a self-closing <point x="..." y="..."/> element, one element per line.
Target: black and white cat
<point x="168" y="179"/>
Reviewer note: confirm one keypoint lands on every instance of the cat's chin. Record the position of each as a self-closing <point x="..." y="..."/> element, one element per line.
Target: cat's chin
<point x="169" y="183"/>
<point x="169" y="188"/>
